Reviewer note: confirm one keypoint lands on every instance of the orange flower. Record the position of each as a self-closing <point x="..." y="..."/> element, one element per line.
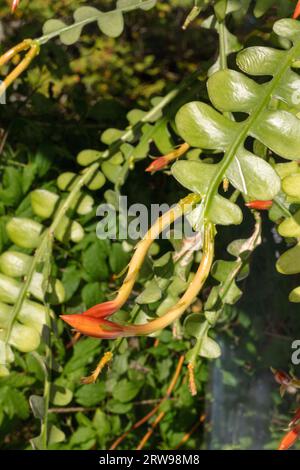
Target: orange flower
<point x="259" y="205"/>
<point x="289" y="439"/>
<point x="297" y="10"/>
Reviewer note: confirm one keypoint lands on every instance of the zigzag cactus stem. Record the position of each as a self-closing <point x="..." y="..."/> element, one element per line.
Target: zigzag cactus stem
<point x="297" y="11"/>
<point x="100" y="328"/>
<point x="108" y="308"/>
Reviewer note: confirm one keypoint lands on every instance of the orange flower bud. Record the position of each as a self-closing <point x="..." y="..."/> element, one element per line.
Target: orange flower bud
<point x="98" y="327"/>
<point x="297" y="11"/>
<point x="161" y="162"/>
<point x="93" y="327"/>
<point x="259" y="205"/>
<point x="14" y="5"/>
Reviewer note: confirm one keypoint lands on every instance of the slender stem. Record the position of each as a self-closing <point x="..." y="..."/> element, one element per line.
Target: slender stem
<point x="44" y="252"/>
<point x="197" y="349"/>
<point x="205" y="325"/>
<point x="149" y="433"/>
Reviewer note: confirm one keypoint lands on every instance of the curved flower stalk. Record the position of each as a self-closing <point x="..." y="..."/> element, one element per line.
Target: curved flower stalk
<point x="100" y="328"/>
<point x="108" y="308"/>
<point x="27" y="45"/>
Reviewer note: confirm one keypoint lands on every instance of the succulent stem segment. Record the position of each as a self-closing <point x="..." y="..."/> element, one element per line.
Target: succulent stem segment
<point x="100" y="328"/>
<point x="27" y="45"/>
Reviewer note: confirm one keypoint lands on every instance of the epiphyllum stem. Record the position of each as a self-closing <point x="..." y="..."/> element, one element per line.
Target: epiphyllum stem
<point x="100" y="328"/>
<point x="27" y="45"/>
<point x="108" y="308"/>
